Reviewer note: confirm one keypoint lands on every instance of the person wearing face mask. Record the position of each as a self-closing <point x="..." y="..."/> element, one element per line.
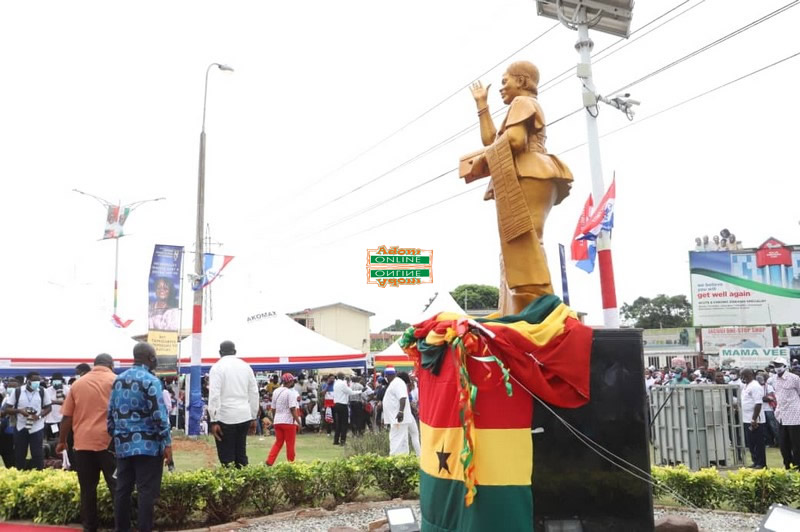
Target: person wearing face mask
<point x="736" y="380"/>
<point x="30" y="405"/>
<point x="139" y="425"/>
<point x="57" y="392"/>
<point x="7" y="423"/>
<point x="787" y="412"/>
<point x="677" y="376"/>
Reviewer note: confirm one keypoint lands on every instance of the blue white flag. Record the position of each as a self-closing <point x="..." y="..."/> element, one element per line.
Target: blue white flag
<point x="212" y="266"/>
<point x="602" y="219"/>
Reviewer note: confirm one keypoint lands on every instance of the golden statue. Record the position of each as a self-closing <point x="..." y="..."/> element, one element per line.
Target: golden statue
<point x="526" y="183"/>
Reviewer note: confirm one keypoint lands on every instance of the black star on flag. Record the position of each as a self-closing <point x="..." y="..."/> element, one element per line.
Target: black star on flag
<point x="443" y="456"/>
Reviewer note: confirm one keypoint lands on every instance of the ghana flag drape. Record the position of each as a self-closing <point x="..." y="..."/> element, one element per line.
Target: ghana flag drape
<point x="475" y="419"/>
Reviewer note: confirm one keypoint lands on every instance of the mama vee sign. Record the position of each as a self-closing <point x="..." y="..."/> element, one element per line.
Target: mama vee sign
<point x="771" y="352"/>
<point x="752" y="357"/>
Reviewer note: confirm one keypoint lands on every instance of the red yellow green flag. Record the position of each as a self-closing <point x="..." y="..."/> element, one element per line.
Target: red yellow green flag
<point x="475" y="417"/>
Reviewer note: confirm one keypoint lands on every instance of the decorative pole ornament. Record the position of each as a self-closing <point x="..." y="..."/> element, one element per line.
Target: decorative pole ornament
<point x="526" y="182"/>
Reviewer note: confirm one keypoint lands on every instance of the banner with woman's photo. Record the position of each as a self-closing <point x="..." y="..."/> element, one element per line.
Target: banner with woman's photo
<point x="164" y="310"/>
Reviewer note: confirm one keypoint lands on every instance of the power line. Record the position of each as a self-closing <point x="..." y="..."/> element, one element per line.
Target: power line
<point x="426" y="112"/>
<point x="719" y="87"/>
<point x="550" y="84"/>
<point x="710" y="45"/>
<point x="679" y="104"/>
<point x="473" y="126"/>
<point x="463" y="131"/>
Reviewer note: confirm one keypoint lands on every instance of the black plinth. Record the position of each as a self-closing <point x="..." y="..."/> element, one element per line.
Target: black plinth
<point x="572" y="482"/>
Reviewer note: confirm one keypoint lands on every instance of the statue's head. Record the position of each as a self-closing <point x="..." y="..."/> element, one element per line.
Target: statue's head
<point x="526" y="76"/>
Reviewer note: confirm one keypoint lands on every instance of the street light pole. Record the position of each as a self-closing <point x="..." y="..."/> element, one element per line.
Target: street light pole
<point x="607" y="288"/>
<point x="195" y="396"/>
<point x="614" y="18"/>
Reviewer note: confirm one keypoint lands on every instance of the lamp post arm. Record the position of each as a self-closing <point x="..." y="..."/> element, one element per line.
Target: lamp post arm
<point x="105" y="202"/>
<point x="137" y="204"/>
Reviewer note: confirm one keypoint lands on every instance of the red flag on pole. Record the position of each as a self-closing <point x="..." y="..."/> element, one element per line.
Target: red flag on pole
<point x="583" y="252"/>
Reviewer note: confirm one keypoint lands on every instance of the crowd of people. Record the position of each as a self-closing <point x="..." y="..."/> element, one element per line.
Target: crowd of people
<point x="768" y="401"/>
<point x="120" y="426"/>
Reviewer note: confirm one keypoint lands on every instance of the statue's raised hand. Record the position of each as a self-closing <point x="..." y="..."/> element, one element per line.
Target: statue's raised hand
<point x="480" y="93"/>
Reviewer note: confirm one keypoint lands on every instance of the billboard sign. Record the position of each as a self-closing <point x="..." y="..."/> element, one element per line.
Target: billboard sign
<point x="753" y="358"/>
<point x="164" y="314"/>
<point x="678" y="340"/>
<point x="718" y="338"/>
<point x="747" y="286"/>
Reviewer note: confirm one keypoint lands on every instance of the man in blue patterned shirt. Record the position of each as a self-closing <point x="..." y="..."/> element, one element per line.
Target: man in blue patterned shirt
<point x="139" y="425"/>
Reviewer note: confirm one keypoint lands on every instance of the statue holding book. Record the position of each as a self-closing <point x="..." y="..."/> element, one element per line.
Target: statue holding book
<point x="525" y="183"/>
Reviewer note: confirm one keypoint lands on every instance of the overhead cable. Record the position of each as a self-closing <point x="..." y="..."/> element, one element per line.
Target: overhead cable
<point x="474" y="126"/>
<point x="426" y="112"/>
<point x="631" y="124"/>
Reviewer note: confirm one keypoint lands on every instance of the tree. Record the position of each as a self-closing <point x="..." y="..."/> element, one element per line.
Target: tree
<point x="660" y="312"/>
<point x="477" y="296"/>
<point x="397" y="326"/>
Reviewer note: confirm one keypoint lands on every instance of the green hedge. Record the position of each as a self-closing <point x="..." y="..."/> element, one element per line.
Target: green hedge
<point x="745" y="490"/>
<point x="216" y="495"/>
<point x="220" y="495"/>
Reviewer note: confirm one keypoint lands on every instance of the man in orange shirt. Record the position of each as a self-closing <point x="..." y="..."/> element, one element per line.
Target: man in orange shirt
<point x="85" y="409"/>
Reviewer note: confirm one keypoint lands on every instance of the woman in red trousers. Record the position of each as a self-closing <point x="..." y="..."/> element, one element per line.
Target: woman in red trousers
<point x="287" y="420"/>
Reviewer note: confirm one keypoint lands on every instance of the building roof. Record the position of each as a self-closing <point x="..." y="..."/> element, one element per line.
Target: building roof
<point x="340" y="304"/>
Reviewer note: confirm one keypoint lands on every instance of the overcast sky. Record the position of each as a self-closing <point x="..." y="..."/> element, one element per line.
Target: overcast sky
<point x="107" y="97"/>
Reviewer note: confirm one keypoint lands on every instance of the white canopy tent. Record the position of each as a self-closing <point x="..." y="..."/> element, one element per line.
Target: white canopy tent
<point x="272" y="341"/>
<point x="63" y="345"/>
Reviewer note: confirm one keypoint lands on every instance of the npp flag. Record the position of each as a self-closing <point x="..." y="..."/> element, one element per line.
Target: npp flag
<point x="602" y="218"/>
<point x="583" y="251"/>
<point x="212" y="266"/>
<point x="116" y="217"/>
<point x="475" y="411"/>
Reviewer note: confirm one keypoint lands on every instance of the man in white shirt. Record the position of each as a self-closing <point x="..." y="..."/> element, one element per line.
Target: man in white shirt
<point x="397" y="413"/>
<point x="649" y="380"/>
<point x="753" y="419"/>
<point x="30" y="405"/>
<point x="56" y="392"/>
<point x="232" y="405"/>
<point x="341" y="400"/>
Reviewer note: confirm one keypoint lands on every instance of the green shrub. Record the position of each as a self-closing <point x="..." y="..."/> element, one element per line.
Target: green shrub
<point x="224" y="490"/>
<point x="369" y="443"/>
<point x="49" y="496"/>
<point x="345" y="479"/>
<point x="55" y="498"/>
<point x="395" y="476"/>
<point x="181" y="496"/>
<point x="301" y="482"/>
<point x="659" y="475"/>
<point x="754" y="490"/>
<point x="265" y="493"/>
<point x="704" y="488"/>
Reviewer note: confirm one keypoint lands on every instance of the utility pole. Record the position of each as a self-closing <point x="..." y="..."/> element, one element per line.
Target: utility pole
<point x="195" y="403"/>
<point x="613" y="18"/>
